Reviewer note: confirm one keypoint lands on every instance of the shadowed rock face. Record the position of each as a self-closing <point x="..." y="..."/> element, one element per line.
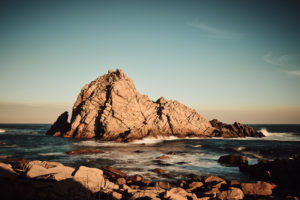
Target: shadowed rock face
<point x="110" y="108"/>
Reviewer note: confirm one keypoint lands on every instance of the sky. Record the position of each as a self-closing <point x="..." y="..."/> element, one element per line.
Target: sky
<point x="230" y="60"/>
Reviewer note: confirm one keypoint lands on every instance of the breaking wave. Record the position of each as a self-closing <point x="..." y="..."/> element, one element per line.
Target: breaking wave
<point x="279" y="136"/>
<point x="2" y="131"/>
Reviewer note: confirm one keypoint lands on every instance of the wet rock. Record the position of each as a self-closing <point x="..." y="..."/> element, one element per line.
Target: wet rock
<point x="91" y="178"/>
<point x="234" y="130"/>
<point x="259" y="188"/>
<point x="159" y="171"/>
<point x="232" y="193"/>
<point x="84" y="151"/>
<point x="233" y="160"/>
<point x="112" y="172"/>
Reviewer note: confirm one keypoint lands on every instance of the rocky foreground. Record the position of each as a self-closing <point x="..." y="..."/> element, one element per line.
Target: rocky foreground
<point x="111" y="109"/>
<point x="20" y="179"/>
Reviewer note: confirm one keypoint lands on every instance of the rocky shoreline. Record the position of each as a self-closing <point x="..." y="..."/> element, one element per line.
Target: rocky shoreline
<point x="21" y="179"/>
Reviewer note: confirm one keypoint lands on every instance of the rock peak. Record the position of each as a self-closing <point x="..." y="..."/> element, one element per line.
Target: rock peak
<point x="110" y="108"/>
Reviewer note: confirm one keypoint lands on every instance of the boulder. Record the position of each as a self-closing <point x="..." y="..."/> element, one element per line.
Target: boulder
<point x="233" y="160"/>
<point x="232" y="194"/>
<point x="214" y="181"/>
<point x="48" y="170"/>
<point x="90" y="178"/>
<point x="112" y="172"/>
<point x="259" y="188"/>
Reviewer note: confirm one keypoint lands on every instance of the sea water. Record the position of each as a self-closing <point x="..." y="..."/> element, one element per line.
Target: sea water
<point x="197" y="156"/>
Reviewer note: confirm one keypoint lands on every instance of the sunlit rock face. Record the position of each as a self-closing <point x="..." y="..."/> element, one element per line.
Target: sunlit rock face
<point x="110" y="108"/>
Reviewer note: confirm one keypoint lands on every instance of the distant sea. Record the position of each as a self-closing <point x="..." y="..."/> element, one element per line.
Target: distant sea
<point x="198" y="156"/>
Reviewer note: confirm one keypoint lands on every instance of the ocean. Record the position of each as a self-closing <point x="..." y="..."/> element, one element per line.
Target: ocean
<point x="197" y="156"/>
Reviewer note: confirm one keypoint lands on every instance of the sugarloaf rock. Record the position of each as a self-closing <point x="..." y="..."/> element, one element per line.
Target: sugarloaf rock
<point x="111" y="109"/>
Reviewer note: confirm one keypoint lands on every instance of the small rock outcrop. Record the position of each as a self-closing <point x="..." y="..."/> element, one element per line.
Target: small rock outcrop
<point x="111" y="109"/>
<point x="233" y="160"/>
<point x="233" y="130"/>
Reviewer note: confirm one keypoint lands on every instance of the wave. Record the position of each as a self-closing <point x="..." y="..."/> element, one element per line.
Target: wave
<point x="51" y="154"/>
<point x="279" y="136"/>
<point x="152" y="140"/>
<point x="2" y="130"/>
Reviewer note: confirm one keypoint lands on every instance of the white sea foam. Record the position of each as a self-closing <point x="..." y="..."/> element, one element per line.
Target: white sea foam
<point x="197" y="146"/>
<point x="51" y="154"/>
<point x="2" y="130"/>
<point x="152" y="140"/>
<point x="279" y="136"/>
<point x="240" y="148"/>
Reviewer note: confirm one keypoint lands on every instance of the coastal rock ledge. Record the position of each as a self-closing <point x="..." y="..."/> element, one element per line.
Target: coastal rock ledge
<point x="111" y="109"/>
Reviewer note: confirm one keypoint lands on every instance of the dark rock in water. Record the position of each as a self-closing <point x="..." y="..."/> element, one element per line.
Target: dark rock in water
<point x="233" y="160"/>
<point x="233" y="130"/>
<point x="159" y="171"/>
<point x="283" y="172"/>
<point x="84" y="151"/>
<point x="61" y="126"/>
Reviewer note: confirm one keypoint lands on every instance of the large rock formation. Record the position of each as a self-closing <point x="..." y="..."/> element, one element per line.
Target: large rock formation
<point x="110" y="108"/>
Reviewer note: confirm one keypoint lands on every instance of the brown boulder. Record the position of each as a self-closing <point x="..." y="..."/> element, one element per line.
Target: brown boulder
<point x="91" y="178"/>
<point x="48" y="170"/>
<point x="112" y="172"/>
<point x="233" y="160"/>
<point x="259" y="188"/>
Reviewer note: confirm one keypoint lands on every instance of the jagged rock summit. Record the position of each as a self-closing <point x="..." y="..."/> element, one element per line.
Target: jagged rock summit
<point x="111" y="109"/>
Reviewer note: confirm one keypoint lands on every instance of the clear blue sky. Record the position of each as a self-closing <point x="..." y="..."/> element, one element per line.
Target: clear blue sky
<point x="232" y="60"/>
